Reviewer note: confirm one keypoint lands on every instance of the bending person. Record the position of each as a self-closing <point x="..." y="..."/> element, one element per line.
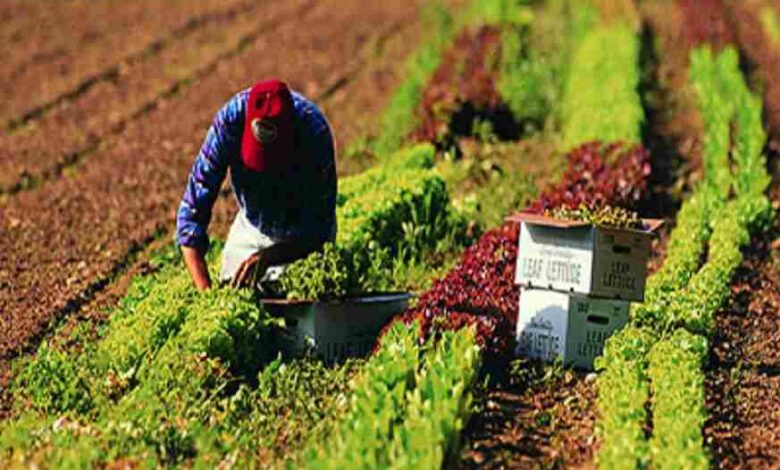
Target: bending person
<point x="279" y="149"/>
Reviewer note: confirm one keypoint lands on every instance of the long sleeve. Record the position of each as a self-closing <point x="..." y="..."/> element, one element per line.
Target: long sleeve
<point x="324" y="149"/>
<point x="321" y="191"/>
<point x="222" y="143"/>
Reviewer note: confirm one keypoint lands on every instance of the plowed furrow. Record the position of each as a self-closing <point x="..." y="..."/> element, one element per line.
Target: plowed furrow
<point x="77" y="129"/>
<point x="56" y="50"/>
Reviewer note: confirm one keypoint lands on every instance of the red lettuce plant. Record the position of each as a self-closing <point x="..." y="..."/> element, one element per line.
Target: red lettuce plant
<point x="480" y="289"/>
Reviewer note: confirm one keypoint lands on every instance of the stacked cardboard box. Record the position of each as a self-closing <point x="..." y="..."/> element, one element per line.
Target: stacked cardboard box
<point x="577" y="284"/>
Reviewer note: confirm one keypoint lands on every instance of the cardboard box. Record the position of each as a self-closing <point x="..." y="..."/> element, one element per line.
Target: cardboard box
<point x="552" y="324"/>
<point x="578" y="257"/>
<point x="334" y="331"/>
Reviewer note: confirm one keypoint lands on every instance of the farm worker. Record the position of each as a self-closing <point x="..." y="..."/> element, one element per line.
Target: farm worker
<point x="279" y="149"/>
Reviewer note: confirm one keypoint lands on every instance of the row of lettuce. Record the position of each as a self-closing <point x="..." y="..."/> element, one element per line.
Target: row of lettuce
<point x="659" y="358"/>
<point x="412" y="398"/>
<point x="171" y="357"/>
<point x="409" y="416"/>
<point x="408" y="404"/>
<point x="180" y="376"/>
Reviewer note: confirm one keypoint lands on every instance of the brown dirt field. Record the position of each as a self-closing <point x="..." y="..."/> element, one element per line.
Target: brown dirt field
<point x="743" y="397"/>
<point x="541" y="421"/>
<point x="66" y="240"/>
<point x="57" y="48"/>
<point x="353" y="110"/>
<point x="706" y="22"/>
<point x="74" y="130"/>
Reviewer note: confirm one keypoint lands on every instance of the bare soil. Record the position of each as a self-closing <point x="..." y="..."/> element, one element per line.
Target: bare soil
<point x="53" y="49"/>
<point x="706" y="22"/>
<point x="77" y="127"/>
<point x="65" y="241"/>
<point x="743" y="397"/>
<point x="544" y="419"/>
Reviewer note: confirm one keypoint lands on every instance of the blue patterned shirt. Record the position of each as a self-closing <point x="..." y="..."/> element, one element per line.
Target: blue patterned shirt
<point x="299" y="204"/>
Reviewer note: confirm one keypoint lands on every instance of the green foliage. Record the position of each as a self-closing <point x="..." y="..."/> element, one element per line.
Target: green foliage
<point x="623" y="392"/>
<point x="717" y="109"/>
<point x="707" y="217"/>
<point x="535" y="57"/>
<point x="695" y="305"/>
<point x="509" y="12"/>
<point x="682" y="297"/>
<point x="157" y="411"/>
<point x="678" y="406"/>
<point x="54" y="383"/>
<point x="601" y="101"/>
<point x="770" y="24"/>
<point x="376" y="406"/>
<point x="337" y="273"/>
<point x="438" y="407"/>
<point x="302" y="398"/>
<point x="686" y="245"/>
<point x="406" y="411"/>
<point x="399" y="117"/>
<point x="398" y="211"/>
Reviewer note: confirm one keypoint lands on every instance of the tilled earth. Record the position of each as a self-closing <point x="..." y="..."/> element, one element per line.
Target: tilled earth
<point x="65" y="240"/>
<point x="51" y="48"/>
<point x="743" y="383"/>
<point x="542" y="419"/>
<point x="80" y="123"/>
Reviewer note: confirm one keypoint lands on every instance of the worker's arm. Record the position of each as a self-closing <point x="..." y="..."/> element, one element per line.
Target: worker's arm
<point x="281" y="253"/>
<point x="195" y="261"/>
<point x="208" y="173"/>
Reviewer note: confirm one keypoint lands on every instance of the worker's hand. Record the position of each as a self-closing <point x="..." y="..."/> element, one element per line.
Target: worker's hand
<point x="251" y="270"/>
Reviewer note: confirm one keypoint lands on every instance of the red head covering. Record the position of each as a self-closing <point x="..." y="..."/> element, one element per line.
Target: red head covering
<point x="267" y="143"/>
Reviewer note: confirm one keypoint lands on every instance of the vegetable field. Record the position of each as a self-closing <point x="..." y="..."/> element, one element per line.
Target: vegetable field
<point x="449" y="117"/>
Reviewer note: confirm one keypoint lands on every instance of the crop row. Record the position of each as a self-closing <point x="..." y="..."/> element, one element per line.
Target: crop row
<point x="399" y="119"/>
<point x="187" y="362"/>
<point x="478" y="63"/>
<point x="480" y="290"/>
<point x="408" y="405"/>
<point x="376" y="241"/>
<point x="143" y="392"/>
<point x="481" y="285"/>
<point x="414" y="420"/>
<point x="666" y="345"/>
<point x="437" y="400"/>
<point x="601" y="100"/>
